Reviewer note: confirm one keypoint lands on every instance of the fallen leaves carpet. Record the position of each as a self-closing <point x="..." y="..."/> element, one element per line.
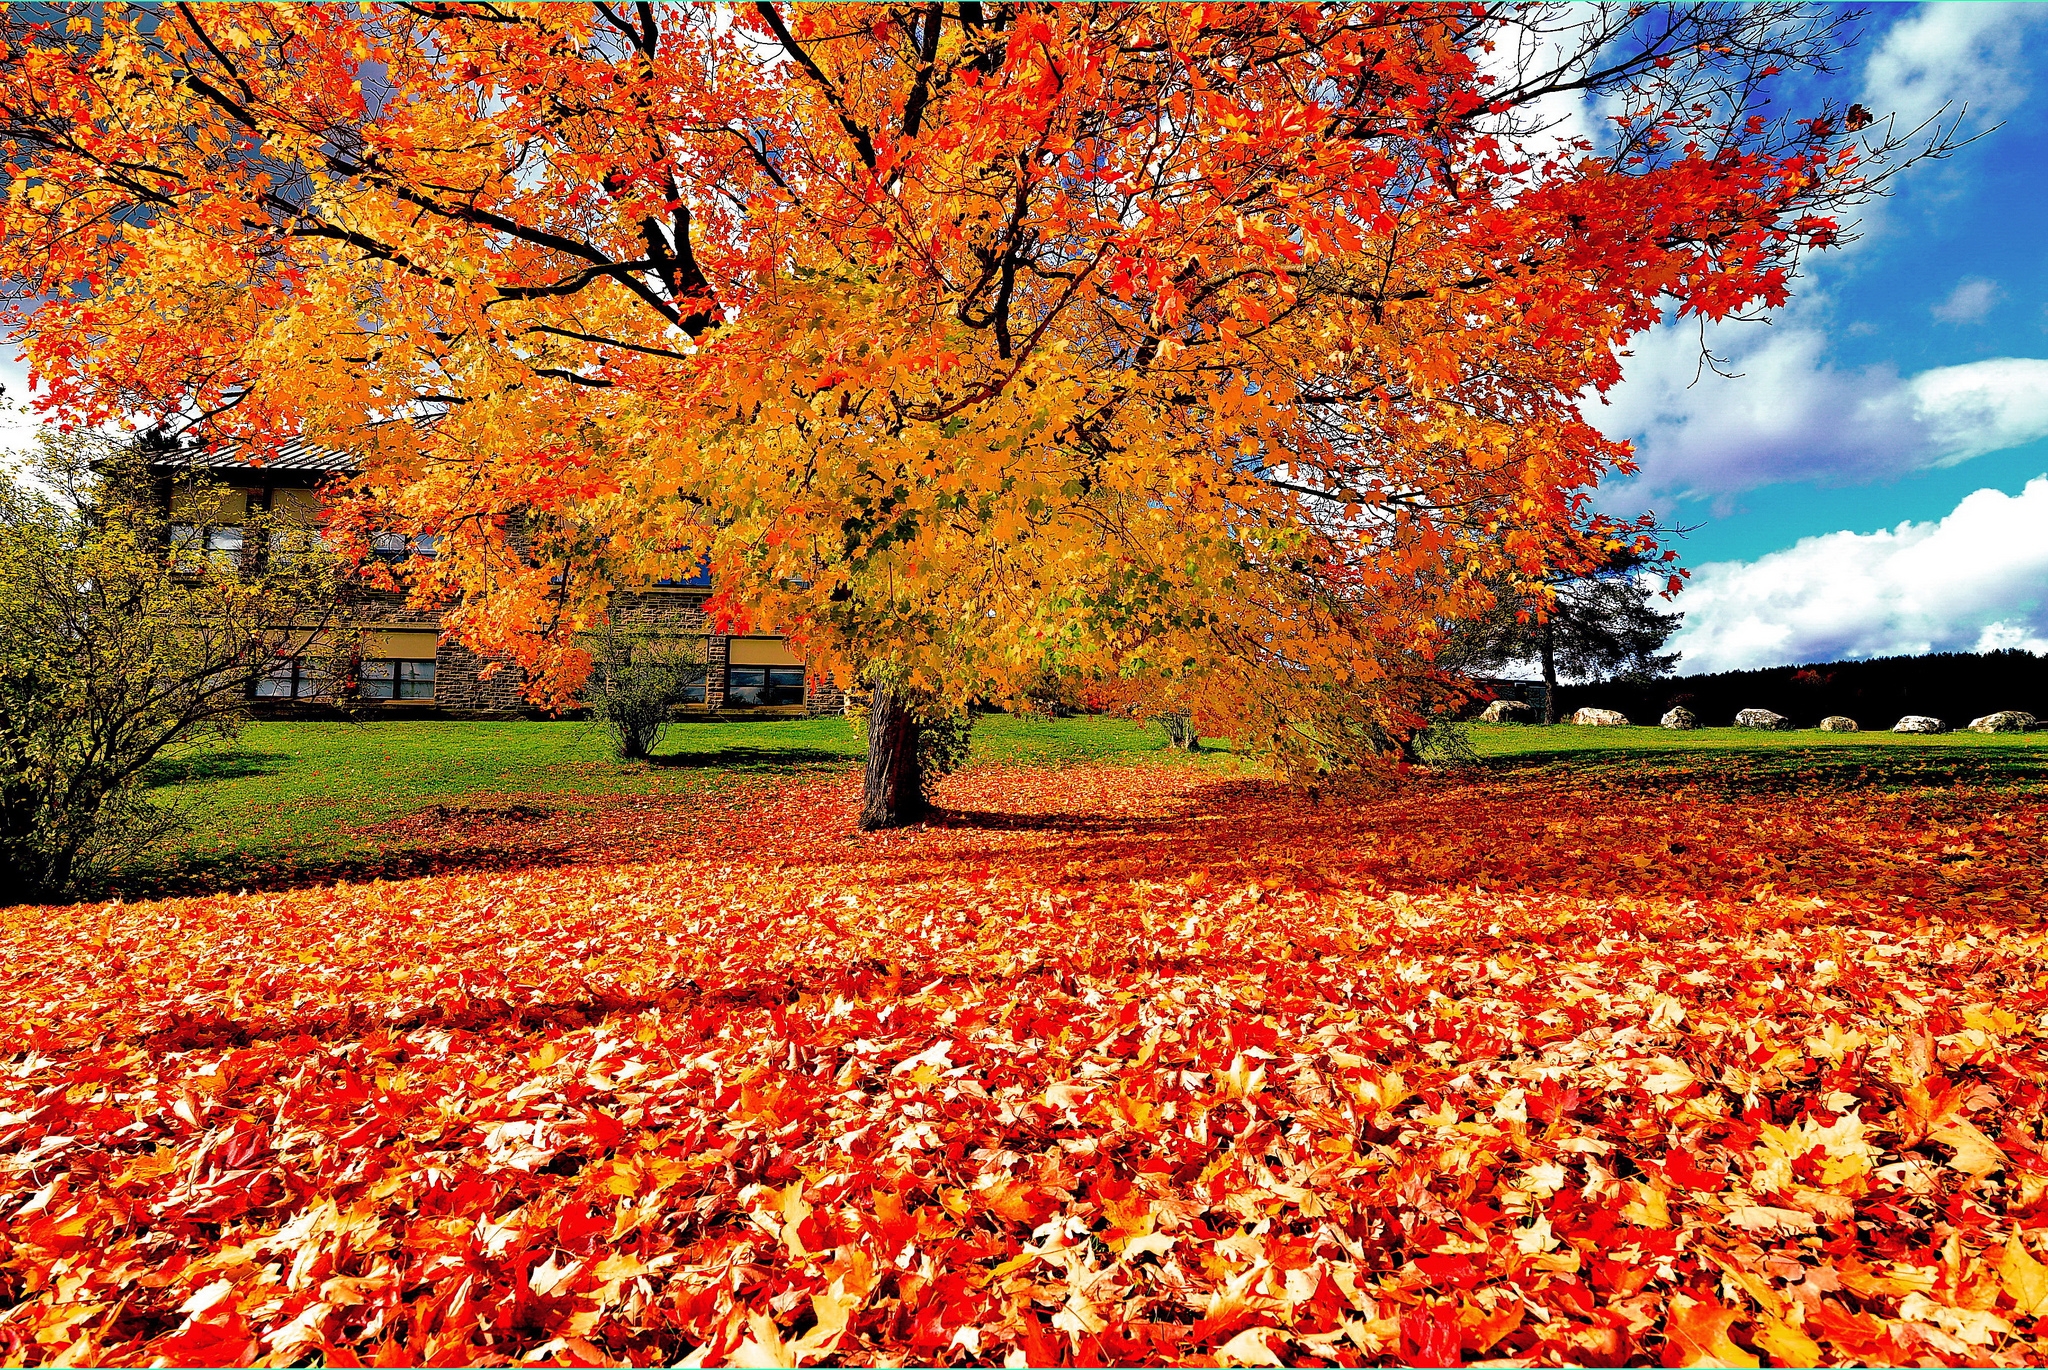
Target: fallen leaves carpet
<point x="1116" y="1065"/>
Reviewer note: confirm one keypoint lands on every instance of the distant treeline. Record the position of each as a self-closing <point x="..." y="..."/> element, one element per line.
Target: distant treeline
<point x="1953" y="686"/>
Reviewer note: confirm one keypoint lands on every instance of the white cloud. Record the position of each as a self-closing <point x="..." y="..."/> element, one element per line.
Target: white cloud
<point x="1951" y="55"/>
<point x="17" y="426"/>
<point x="1973" y="298"/>
<point x="1978" y="407"/>
<point x="2004" y="637"/>
<point x="1975" y="580"/>
<point x="1788" y="414"/>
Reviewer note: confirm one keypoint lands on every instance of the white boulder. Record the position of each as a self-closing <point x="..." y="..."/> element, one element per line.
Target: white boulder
<point x="1762" y="718"/>
<point x="2004" y="721"/>
<point x="1507" y="711"/>
<point x="1919" y="723"/>
<point x="1680" y="718"/>
<point x="1600" y="718"/>
<point x="1838" y="723"/>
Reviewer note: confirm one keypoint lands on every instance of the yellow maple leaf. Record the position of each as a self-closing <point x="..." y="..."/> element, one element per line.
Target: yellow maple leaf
<point x="1785" y="1343"/>
<point x="1697" y="1330"/>
<point x="1976" y="1154"/>
<point x="2025" y="1279"/>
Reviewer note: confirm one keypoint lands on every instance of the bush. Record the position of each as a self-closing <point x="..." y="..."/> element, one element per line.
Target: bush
<point x="117" y="650"/>
<point x="638" y="680"/>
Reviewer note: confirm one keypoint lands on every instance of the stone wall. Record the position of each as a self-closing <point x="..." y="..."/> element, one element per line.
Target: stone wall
<point x="464" y="684"/>
<point x="822" y="694"/>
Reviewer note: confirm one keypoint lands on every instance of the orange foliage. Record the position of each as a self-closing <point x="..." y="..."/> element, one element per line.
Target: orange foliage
<point x="1234" y="342"/>
<point x="1113" y="1065"/>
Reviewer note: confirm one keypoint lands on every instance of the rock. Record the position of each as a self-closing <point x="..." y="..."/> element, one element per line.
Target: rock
<point x="1507" y="711"/>
<point x="1600" y="718"/>
<point x="1919" y="723"/>
<point x="2004" y="721"/>
<point x="1762" y="718"/>
<point x="1836" y="723"/>
<point x="1680" y="718"/>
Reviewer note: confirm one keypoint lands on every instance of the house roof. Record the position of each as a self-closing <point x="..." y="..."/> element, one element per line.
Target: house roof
<point x="296" y="454"/>
<point x="292" y="454"/>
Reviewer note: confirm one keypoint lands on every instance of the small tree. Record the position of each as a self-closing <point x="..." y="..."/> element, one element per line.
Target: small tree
<point x="638" y="679"/>
<point x="118" y="648"/>
<point x="1595" y="616"/>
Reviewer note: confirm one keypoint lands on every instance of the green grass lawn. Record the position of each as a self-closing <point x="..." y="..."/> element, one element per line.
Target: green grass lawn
<point x="1744" y="757"/>
<point x="302" y="794"/>
<point x="1568" y="739"/>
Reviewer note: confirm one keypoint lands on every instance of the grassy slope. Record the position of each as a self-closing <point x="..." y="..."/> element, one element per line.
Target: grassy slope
<point x="1569" y="739"/>
<point x="303" y="792"/>
<point x="299" y="790"/>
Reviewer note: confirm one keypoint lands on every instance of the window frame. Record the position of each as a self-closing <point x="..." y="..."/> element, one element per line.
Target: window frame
<point x="772" y="694"/>
<point x="299" y="672"/>
<point x="397" y="679"/>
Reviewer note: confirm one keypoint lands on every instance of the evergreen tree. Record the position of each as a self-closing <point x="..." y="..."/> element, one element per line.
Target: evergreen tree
<point x="1599" y="619"/>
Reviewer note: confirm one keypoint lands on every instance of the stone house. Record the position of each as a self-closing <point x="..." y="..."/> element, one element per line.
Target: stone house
<point x="384" y="657"/>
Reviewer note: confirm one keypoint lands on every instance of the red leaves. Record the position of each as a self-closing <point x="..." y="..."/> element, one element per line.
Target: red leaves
<point x="1136" y="1066"/>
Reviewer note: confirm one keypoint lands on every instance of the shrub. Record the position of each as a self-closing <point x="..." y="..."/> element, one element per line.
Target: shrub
<point x="638" y="679"/>
<point x="117" y="651"/>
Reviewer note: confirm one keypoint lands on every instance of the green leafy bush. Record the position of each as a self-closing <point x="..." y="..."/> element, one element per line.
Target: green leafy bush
<point x="638" y="680"/>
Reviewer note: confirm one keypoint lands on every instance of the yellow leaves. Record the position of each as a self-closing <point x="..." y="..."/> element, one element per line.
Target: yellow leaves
<point x="2024" y="1279"/>
<point x="552" y="1274"/>
<point x="1976" y="1155"/>
<point x="1697" y="1333"/>
<point x="1970" y="1326"/>
<point x="1764" y="1218"/>
<point x="1010" y="1200"/>
<point x="1670" y="1077"/>
<point x="1992" y="1019"/>
<point x="1647" y="1207"/>
<point x="1250" y="1347"/>
<point x="1241" y="1080"/>
<point x="1786" y="1344"/>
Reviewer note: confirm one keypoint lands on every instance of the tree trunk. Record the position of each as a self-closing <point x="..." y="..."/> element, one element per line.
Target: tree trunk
<point x="893" y="790"/>
<point x="1549" y="671"/>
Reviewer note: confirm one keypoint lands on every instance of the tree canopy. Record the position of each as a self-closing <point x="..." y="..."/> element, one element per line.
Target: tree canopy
<point x="968" y="341"/>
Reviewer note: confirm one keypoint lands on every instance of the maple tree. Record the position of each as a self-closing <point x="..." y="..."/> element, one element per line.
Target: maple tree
<point x="1123" y="1065"/>
<point x="970" y="342"/>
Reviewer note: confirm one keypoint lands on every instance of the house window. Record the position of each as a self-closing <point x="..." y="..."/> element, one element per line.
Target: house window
<point x="397" y="546"/>
<point x="746" y="686"/>
<point x="298" y="678"/>
<point x="693" y="689"/>
<point x="398" y="680"/>
<point x="193" y="545"/>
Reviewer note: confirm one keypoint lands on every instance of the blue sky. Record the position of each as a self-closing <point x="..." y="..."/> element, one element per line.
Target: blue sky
<point x="1862" y="486"/>
<point x="1874" y="479"/>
